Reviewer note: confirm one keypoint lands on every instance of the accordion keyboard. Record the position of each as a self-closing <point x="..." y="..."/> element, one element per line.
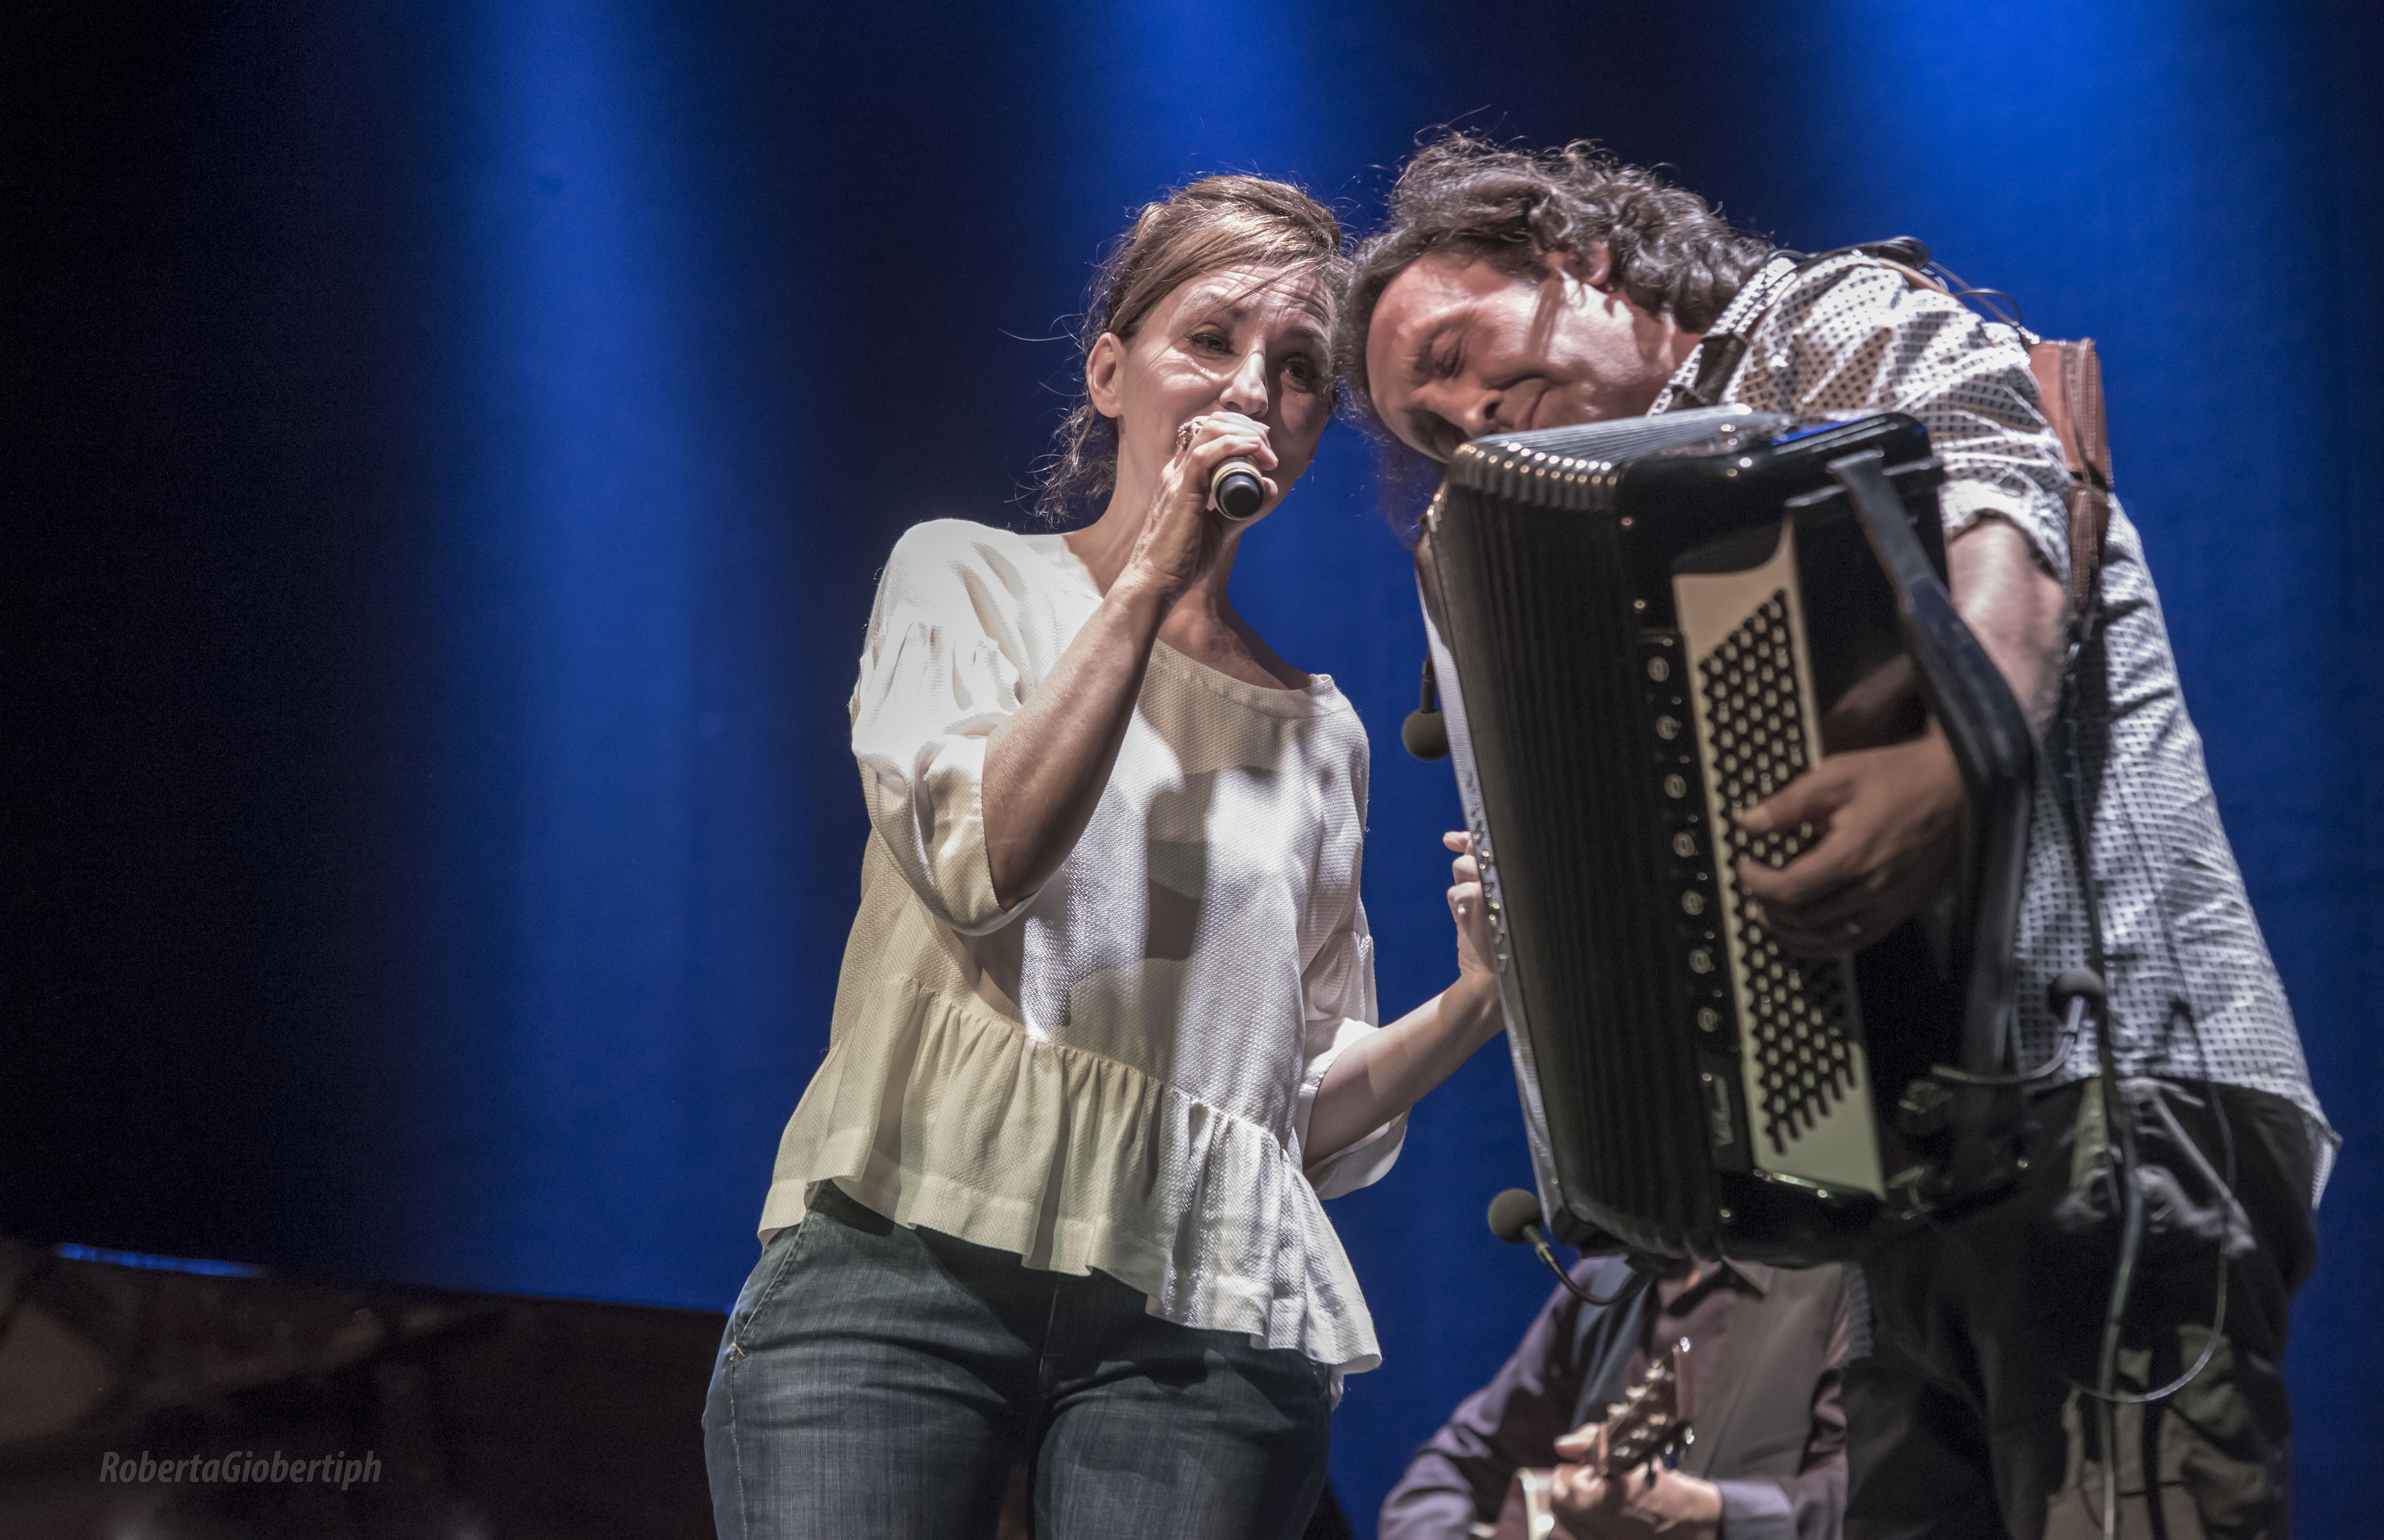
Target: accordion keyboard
<point x="1802" y="1069"/>
<point x="1797" y="1027"/>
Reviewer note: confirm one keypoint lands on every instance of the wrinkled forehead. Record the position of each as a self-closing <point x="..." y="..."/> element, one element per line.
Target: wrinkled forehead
<point x="1423" y="300"/>
<point x="1298" y="292"/>
<point x="1415" y="308"/>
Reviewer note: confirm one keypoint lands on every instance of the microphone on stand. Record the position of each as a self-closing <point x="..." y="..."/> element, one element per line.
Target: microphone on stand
<point x="1515" y="1218"/>
<point x="1236" y="491"/>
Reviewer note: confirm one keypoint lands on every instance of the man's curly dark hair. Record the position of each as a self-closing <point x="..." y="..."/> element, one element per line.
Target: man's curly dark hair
<point x="1468" y="197"/>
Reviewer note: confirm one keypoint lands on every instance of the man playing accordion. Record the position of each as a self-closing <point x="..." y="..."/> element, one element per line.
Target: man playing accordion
<point x="1512" y="290"/>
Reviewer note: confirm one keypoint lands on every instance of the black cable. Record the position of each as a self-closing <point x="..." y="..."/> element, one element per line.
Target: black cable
<point x="2209" y="1351"/>
<point x="2218" y="1289"/>
<point x="1958" y="289"/>
<point x="1639" y="1276"/>
<point x="2046" y="1070"/>
<point x="1516" y="1218"/>
<point x="2069" y="774"/>
<point x="2117" y="1119"/>
<point x="2121" y="1125"/>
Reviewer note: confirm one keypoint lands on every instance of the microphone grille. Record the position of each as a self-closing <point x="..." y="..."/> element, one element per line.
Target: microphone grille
<point x="1236" y="489"/>
<point x="1513" y="1212"/>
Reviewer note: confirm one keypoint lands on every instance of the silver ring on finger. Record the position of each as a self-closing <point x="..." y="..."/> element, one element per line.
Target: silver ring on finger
<point x="1183" y="438"/>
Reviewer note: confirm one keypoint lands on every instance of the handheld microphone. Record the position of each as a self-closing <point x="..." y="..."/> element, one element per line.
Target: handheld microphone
<point x="1236" y="491"/>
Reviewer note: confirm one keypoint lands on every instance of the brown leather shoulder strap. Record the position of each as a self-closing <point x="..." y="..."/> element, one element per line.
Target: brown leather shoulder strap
<point x="2069" y="378"/>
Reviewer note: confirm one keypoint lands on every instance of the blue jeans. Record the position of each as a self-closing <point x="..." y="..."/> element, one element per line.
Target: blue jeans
<point x="882" y="1382"/>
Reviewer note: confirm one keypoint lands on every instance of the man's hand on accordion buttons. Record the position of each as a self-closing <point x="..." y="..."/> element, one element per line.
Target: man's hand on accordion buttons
<point x="1886" y="825"/>
<point x="1468" y="906"/>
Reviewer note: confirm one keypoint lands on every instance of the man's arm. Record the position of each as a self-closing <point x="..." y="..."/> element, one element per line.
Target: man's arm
<point x="1855" y="333"/>
<point x="1385" y="1073"/>
<point x="1810" y="1505"/>
<point x="1461" y="1474"/>
<point x="1890" y="817"/>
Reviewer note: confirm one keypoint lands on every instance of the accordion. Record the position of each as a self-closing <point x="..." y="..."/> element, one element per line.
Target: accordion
<point x="1639" y="629"/>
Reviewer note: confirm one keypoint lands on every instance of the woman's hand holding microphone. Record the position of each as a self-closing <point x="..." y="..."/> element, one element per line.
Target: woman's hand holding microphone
<point x="1183" y="533"/>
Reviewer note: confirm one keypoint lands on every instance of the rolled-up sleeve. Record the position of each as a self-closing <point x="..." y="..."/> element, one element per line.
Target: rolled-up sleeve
<point x="940" y="672"/>
<point x="1854" y="336"/>
<point x="1810" y="1506"/>
<point x="1338" y="996"/>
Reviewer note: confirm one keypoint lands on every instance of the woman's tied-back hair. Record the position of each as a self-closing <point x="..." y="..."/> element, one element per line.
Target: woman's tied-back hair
<point x="1215" y="222"/>
<point x="1667" y="249"/>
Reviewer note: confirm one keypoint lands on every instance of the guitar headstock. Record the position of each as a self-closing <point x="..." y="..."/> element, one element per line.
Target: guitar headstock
<point x="1653" y="1421"/>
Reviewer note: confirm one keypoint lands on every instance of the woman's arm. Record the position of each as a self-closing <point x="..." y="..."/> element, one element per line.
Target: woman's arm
<point x="1046" y="766"/>
<point x="1385" y="1073"/>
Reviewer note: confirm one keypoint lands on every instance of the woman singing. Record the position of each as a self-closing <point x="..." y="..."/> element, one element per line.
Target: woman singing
<point x="1105" y="1031"/>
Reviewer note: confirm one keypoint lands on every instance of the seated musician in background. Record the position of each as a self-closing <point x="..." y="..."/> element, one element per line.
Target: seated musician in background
<point x="1769" y="1461"/>
<point x="1511" y="290"/>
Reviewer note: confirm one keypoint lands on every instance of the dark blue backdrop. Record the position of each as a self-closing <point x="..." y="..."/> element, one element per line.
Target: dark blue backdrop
<point x="461" y="440"/>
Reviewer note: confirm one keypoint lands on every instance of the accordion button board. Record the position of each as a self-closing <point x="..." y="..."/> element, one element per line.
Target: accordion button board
<point x="1802" y="1072"/>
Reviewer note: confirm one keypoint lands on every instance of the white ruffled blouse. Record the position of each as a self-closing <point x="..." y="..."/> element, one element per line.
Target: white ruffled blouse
<point x="1117" y="1072"/>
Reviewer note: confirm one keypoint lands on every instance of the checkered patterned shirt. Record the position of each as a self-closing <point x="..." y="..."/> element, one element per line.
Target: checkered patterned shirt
<point x="2193" y="992"/>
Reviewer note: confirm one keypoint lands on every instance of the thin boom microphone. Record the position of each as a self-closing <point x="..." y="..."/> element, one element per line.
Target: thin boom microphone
<point x="1515" y="1219"/>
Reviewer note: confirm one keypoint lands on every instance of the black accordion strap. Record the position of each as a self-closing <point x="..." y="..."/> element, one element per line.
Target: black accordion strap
<point x="1990" y="741"/>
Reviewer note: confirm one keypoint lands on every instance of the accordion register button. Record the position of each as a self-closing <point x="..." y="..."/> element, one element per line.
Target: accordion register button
<point x="1667" y="728"/>
<point x="1660" y="669"/>
<point x="1709" y="1019"/>
<point x="1693" y="903"/>
<point x="1675" y="786"/>
<point x="1684" y="845"/>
